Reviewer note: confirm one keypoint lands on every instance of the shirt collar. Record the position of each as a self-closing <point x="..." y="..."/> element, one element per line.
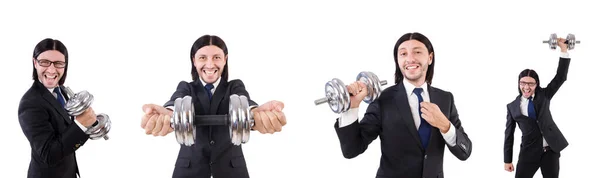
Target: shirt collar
<point x="410" y="87"/>
<point x="215" y="84"/>
<point x="523" y="98"/>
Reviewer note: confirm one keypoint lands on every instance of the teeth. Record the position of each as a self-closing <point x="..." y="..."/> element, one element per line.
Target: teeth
<point x="210" y="72"/>
<point x="411" y="67"/>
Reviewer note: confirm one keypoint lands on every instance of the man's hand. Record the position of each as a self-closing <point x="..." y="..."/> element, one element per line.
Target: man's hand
<point x="87" y="118"/>
<point x="562" y="44"/>
<point x="156" y="120"/>
<point x="509" y="167"/>
<point x="269" y="117"/>
<point x="434" y="116"/>
<point x="358" y="91"/>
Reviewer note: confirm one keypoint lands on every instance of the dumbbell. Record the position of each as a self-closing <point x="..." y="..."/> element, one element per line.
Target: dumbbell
<point x="240" y="120"/>
<point x="338" y="97"/>
<point x="570" y="41"/>
<point x="78" y="103"/>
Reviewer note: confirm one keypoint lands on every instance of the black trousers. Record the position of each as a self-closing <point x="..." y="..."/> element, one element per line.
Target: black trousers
<point x="549" y="163"/>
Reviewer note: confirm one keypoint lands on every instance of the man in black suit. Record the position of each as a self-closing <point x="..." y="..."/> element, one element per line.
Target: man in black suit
<point x="213" y="154"/>
<point x="53" y="135"/>
<point x="541" y="141"/>
<point x="414" y="120"/>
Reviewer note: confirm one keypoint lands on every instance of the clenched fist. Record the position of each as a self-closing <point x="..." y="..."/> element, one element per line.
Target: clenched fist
<point x="87" y="118"/>
<point x="269" y="117"/>
<point x="509" y="167"/>
<point x="156" y="120"/>
<point x="358" y="91"/>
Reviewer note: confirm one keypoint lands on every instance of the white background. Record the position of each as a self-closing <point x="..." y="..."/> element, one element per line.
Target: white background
<point x="131" y="53"/>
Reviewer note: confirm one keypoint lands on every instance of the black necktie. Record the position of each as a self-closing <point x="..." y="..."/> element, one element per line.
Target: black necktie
<point x="425" y="127"/>
<point x="530" y="108"/>
<point x="208" y="87"/>
<point x="59" y="97"/>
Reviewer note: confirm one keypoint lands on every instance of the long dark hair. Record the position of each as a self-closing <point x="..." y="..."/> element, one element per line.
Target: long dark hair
<point x="208" y="40"/>
<point x="530" y="73"/>
<point x="423" y="39"/>
<point x="49" y="44"/>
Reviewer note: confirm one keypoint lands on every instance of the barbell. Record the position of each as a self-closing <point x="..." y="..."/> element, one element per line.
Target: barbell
<point x="338" y="97"/>
<point x="78" y="103"/>
<point x="240" y="120"/>
<point x="570" y="41"/>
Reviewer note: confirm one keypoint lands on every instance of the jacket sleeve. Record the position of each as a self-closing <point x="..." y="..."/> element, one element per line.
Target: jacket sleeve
<point x="356" y="137"/>
<point x="509" y="137"/>
<point x="462" y="149"/>
<point x="559" y="78"/>
<point x="183" y="89"/>
<point x="48" y="145"/>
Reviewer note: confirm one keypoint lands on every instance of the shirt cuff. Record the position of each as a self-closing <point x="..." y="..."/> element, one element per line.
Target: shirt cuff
<point x="80" y="125"/>
<point x="564" y="54"/>
<point x="348" y="117"/>
<point x="170" y="108"/>
<point x="450" y="136"/>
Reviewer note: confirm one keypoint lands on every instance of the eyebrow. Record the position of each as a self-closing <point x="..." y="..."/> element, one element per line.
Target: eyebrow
<point x="418" y="47"/>
<point x="49" y="60"/>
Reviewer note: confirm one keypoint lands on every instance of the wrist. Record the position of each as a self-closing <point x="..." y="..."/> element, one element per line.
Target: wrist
<point x="446" y="127"/>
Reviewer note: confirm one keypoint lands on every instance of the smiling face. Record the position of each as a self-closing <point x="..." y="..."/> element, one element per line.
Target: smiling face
<point x="413" y="60"/>
<point x="50" y="66"/>
<point x="209" y="62"/>
<point x="527" y="86"/>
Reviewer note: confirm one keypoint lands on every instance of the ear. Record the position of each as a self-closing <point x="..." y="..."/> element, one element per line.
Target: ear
<point x="226" y="57"/>
<point x="430" y="58"/>
<point x="35" y="64"/>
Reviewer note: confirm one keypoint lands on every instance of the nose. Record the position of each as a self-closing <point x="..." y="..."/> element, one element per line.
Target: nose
<point x="51" y="68"/>
<point x="209" y="63"/>
<point x="410" y="57"/>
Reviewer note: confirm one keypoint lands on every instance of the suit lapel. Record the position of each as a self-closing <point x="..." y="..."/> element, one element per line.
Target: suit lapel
<point x="218" y="96"/>
<point x="202" y="96"/>
<point x="538" y="101"/>
<point x="402" y="104"/>
<point x="515" y="107"/>
<point x="53" y="102"/>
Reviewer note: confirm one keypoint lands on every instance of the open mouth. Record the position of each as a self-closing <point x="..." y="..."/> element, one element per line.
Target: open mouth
<point x="50" y="77"/>
<point x="209" y="72"/>
<point x="527" y="91"/>
<point x="411" y="67"/>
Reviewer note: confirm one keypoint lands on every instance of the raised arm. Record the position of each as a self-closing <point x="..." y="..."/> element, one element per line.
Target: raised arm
<point x="562" y="71"/>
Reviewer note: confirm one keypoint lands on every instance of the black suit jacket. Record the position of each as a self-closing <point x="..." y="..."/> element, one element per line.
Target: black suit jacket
<point x="403" y="155"/>
<point x="534" y="129"/>
<point x="213" y="153"/>
<point x="52" y="134"/>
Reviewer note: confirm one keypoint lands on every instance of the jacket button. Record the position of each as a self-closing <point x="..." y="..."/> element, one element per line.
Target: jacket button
<point x="212" y="142"/>
<point x="425" y="156"/>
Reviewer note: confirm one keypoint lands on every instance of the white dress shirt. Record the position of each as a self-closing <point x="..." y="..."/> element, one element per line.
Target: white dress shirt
<point x="56" y="96"/>
<point x="351" y="115"/>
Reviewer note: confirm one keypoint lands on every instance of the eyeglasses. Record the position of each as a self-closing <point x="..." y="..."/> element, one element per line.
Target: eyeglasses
<point x="530" y="84"/>
<point x="47" y="63"/>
